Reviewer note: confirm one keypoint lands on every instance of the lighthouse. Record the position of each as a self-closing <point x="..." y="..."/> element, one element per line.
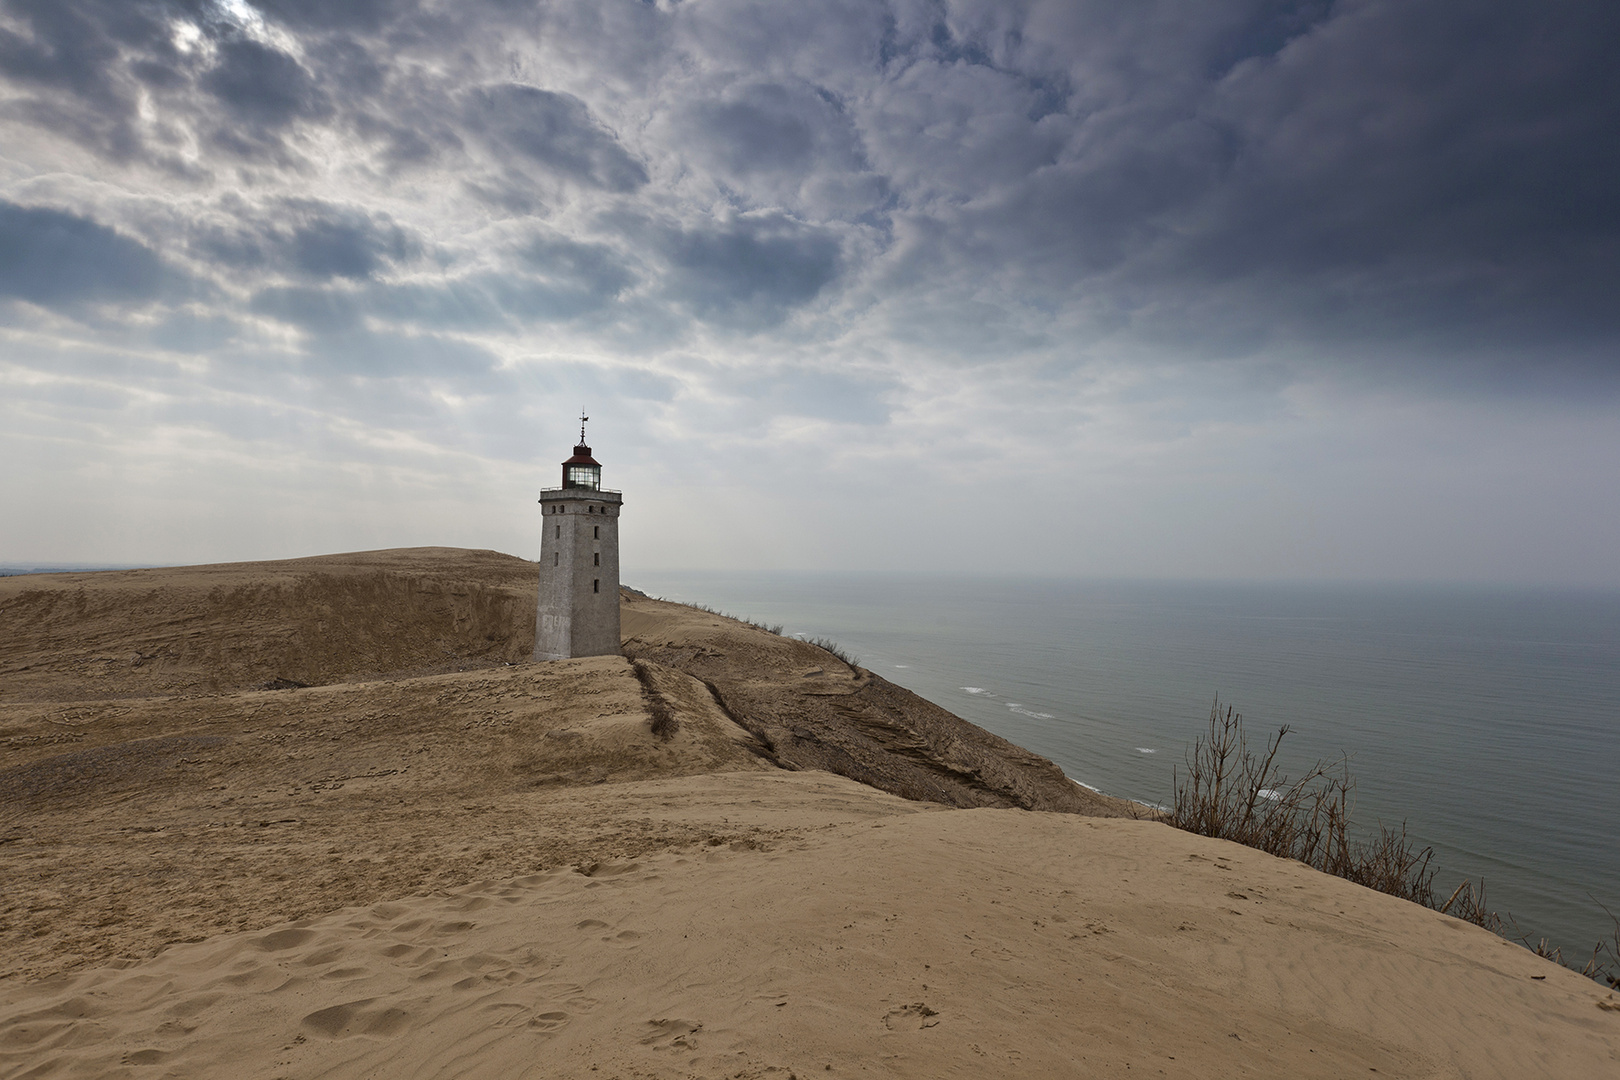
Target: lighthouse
<point x="578" y="611"/>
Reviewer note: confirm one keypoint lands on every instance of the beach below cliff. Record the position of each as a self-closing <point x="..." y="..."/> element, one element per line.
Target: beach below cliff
<point x="319" y="818"/>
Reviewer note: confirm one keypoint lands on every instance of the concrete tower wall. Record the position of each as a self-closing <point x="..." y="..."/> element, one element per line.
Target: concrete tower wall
<point x="578" y="611"/>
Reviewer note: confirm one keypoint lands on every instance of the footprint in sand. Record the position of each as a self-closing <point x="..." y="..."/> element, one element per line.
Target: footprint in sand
<point x="913" y="1017"/>
<point x="671" y="1034"/>
<point x="623" y="937"/>
<point x="547" y="1022"/>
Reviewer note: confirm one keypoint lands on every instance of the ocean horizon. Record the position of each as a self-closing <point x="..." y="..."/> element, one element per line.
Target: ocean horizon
<point x="1486" y="719"/>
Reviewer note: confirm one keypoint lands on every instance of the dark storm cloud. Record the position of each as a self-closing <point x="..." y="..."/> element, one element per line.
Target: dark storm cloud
<point x="264" y="92"/>
<point x="1419" y="176"/>
<point x="596" y="268"/>
<point x="1363" y="178"/>
<point x="772" y="128"/>
<point x="361" y="15"/>
<point x="308" y="238"/>
<point x="60" y="260"/>
<point x="263" y="86"/>
<point x="65" y="57"/>
<point x="326" y="248"/>
<point x="555" y="130"/>
<point x="749" y="272"/>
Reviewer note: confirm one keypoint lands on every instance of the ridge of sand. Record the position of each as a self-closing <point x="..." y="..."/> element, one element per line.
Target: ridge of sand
<point x="201" y="878"/>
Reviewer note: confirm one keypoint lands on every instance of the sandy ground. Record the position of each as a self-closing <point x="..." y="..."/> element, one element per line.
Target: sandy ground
<point x="867" y="936"/>
<point x="175" y="818"/>
<point x="435" y="862"/>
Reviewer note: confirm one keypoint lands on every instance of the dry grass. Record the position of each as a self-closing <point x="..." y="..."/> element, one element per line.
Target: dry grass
<point x="664" y="724"/>
<point x="1603" y="965"/>
<point x="825" y="644"/>
<point x="769" y="628"/>
<point x="1233" y="793"/>
<point x="831" y="646"/>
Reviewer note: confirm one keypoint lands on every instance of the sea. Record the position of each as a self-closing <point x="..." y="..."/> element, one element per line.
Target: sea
<point x="1487" y="721"/>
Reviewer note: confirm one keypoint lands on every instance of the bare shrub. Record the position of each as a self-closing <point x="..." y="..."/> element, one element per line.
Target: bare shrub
<point x="1233" y="793"/>
<point x="664" y="724"/>
<point x="831" y="646"/>
<point x="1602" y="966"/>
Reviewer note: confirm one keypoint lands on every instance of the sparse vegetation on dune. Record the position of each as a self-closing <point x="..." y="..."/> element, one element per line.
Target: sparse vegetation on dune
<point x="1233" y="793"/>
<point x="831" y="646"/>
<point x="1230" y="792"/>
<point x="825" y="644"/>
<point x="663" y="723"/>
<point x="769" y="628"/>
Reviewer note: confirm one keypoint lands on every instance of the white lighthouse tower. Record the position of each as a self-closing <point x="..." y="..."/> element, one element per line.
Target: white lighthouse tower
<point x="578" y="612"/>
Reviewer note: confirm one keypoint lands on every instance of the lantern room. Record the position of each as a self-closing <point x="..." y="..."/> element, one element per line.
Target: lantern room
<point x="582" y="470"/>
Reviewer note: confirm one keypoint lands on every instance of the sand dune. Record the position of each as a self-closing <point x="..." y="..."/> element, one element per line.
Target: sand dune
<point x="233" y="626"/>
<point x="435" y="862"/>
<point x="865" y="938"/>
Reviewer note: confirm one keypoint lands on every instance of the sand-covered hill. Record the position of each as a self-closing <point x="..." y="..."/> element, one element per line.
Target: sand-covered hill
<point x="233" y="626"/>
<point x="436" y="859"/>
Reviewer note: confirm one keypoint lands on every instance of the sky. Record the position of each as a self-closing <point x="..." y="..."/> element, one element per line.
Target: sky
<point x="1235" y="289"/>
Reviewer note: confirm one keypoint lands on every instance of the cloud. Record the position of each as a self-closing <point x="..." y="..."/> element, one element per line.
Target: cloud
<point x="554" y="130"/>
<point x="972" y="232"/>
<point x="60" y="260"/>
<point x="64" y="58"/>
<point x="307" y="238"/>
<point x="264" y="91"/>
<point x="351" y="15"/>
<point x="750" y="272"/>
<point x="762" y="128"/>
<point x="319" y="311"/>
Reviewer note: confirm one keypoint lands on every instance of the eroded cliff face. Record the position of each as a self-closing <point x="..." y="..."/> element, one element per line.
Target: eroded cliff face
<point x="813" y="711"/>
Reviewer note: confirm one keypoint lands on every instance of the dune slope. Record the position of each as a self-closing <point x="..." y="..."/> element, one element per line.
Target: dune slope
<point x="863" y="938"/>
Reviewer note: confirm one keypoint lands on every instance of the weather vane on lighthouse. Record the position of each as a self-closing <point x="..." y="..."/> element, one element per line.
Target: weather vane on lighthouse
<point x="582" y="419"/>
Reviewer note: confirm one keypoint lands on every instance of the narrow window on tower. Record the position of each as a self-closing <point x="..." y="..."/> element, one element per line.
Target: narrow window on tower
<point x="596" y="585"/>
<point x="598" y="561"/>
<point x="556" y="557"/>
<point x="596" y="532"/>
<point x="559" y="532"/>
